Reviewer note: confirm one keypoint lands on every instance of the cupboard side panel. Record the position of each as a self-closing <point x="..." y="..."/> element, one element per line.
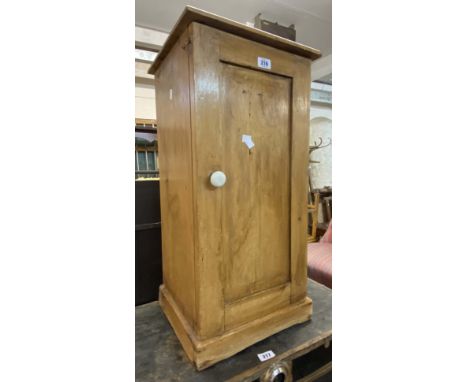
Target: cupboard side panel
<point x="175" y="163"/>
<point x="299" y="176"/>
<point x="207" y="157"/>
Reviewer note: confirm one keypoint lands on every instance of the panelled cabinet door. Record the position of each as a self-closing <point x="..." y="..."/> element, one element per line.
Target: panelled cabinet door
<point x="250" y="137"/>
<point x="255" y="109"/>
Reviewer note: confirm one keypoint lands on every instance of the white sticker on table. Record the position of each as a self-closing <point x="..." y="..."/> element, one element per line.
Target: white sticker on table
<point x="266" y="356"/>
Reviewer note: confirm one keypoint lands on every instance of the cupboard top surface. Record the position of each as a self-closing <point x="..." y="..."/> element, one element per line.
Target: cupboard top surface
<point x="192" y="14"/>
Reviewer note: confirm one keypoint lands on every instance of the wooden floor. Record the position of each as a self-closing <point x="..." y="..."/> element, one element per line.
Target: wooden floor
<point x="160" y="357"/>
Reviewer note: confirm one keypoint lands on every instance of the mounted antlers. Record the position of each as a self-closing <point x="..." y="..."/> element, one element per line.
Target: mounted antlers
<point x="316" y="146"/>
<point x="319" y="145"/>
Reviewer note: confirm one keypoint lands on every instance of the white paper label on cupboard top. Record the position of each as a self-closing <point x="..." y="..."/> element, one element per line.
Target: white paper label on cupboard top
<point x="264" y="63"/>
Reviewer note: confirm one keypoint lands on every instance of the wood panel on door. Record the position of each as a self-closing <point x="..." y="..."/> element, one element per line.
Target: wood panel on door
<point x="256" y="198"/>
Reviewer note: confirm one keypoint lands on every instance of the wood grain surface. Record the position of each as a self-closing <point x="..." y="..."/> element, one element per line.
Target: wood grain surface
<point x="175" y="167"/>
<point x="256" y="200"/>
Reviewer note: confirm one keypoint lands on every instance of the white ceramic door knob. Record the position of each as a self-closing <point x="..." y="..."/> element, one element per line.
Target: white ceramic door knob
<point x="218" y="179"/>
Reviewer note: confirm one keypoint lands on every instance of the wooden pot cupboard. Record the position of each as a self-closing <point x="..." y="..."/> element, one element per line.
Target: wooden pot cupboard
<point x="233" y="130"/>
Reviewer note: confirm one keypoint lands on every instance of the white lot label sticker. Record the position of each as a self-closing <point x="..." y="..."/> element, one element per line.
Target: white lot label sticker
<point x="247" y="139"/>
<point x="264" y="63"/>
<point x="265" y="356"/>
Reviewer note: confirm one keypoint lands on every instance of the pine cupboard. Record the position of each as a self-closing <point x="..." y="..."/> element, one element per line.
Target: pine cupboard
<point x="233" y="130"/>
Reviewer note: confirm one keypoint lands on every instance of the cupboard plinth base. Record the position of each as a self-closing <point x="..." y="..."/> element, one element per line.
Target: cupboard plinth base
<point x="204" y="353"/>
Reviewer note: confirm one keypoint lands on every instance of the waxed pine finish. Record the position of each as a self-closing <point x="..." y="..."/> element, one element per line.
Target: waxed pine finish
<point x="234" y="256"/>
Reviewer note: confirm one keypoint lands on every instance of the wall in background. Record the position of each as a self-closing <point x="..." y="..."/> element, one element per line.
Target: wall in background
<point x="145" y="103"/>
<point x="321" y="126"/>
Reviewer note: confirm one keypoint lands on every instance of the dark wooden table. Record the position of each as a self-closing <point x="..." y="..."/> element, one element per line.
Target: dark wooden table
<point x="160" y="357"/>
